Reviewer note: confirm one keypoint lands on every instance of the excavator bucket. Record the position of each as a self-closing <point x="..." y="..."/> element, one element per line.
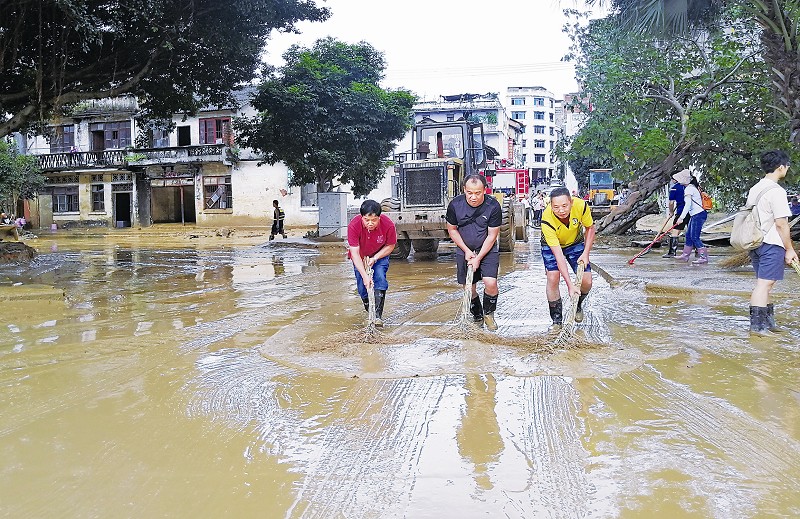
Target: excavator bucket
<point x="9" y="233"/>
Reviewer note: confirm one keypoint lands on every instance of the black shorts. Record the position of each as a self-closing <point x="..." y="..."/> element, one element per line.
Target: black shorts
<point x="489" y="267"/>
<point x="682" y="226"/>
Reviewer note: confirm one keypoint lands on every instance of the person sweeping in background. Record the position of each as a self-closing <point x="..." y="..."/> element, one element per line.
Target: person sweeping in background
<point x="676" y="204"/>
<point x="693" y="208"/>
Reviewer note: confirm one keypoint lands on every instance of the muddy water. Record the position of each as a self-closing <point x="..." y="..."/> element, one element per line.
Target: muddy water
<point x="199" y="379"/>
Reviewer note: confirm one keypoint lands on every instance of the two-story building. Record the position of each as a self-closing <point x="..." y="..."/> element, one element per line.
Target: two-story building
<point x="104" y="166"/>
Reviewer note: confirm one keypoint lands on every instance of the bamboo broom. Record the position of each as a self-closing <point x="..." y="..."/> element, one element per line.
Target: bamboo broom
<point x="568" y="330"/>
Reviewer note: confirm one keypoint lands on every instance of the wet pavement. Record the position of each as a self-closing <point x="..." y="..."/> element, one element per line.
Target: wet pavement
<point x="159" y="375"/>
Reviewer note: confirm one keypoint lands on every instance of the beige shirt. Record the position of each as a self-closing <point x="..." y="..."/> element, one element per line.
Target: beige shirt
<point x="771" y="206"/>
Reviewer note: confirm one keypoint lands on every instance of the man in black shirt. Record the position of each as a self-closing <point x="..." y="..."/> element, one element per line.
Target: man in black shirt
<point x="473" y="223"/>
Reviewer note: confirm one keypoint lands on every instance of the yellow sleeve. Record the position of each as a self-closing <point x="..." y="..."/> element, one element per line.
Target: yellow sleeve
<point x="586" y="216"/>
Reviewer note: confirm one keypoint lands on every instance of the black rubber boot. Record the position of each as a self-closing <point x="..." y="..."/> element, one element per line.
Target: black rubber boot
<point x="673" y="247"/>
<point x="489" y="306"/>
<point x="380" y="299"/>
<point x="366" y="303"/>
<point x="476" y="309"/>
<point x="579" y="311"/>
<point x="759" y="320"/>
<point x="771" y="325"/>
<point x="556" y="313"/>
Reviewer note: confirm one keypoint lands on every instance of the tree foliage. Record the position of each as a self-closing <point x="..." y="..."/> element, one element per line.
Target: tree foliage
<point x="20" y="177"/>
<point x="174" y="55"/>
<point x="324" y="115"/>
<point x="707" y="96"/>
<point x="780" y="45"/>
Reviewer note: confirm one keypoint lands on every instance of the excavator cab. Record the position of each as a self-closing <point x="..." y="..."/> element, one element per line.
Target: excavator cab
<point x="429" y="177"/>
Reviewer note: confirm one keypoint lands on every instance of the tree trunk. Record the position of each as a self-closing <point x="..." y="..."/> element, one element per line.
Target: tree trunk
<point x="785" y="67"/>
<point x="637" y="205"/>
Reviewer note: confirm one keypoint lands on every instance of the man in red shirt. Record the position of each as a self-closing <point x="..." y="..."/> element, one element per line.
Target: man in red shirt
<point x="371" y="237"/>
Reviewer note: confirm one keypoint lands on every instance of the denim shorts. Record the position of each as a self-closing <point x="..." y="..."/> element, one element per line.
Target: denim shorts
<point x="769" y="261"/>
<point x="572" y="253"/>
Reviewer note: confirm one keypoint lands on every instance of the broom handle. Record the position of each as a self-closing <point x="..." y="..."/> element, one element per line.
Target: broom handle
<point x="370" y="294"/>
<point x="578" y="282"/>
<point x="796" y="266"/>
<point x="630" y="262"/>
<point x="466" y="301"/>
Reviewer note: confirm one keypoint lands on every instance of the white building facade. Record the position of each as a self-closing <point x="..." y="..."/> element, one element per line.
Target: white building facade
<point x="535" y="107"/>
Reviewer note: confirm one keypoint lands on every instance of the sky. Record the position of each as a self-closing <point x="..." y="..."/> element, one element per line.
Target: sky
<point x="446" y="47"/>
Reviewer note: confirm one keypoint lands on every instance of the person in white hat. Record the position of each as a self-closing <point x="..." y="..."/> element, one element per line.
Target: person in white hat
<point x="693" y="206"/>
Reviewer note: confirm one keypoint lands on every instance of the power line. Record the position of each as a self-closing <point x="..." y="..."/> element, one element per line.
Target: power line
<point x="487" y="70"/>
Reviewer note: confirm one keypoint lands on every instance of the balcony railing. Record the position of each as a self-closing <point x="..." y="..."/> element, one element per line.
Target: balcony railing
<point x="140" y="157"/>
<point x="80" y="160"/>
<point x="200" y="153"/>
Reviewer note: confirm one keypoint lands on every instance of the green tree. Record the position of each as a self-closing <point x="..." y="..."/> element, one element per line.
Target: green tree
<point x="659" y="106"/>
<point x="174" y="55"/>
<point x="324" y="115"/>
<point x="780" y="47"/>
<point x="20" y="177"/>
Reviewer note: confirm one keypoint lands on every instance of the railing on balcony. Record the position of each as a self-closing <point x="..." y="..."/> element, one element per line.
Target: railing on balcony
<point x="86" y="159"/>
<point x="111" y="158"/>
<point x="177" y="154"/>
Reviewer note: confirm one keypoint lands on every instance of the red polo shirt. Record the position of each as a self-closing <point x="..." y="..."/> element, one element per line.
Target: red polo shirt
<point x="370" y="242"/>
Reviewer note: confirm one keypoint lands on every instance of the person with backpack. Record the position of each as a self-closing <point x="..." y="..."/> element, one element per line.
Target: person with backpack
<point x="277" y="221"/>
<point x="693" y="207"/>
<point x="776" y="248"/>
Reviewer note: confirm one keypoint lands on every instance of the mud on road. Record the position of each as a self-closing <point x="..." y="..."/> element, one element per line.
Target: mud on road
<point x="195" y="377"/>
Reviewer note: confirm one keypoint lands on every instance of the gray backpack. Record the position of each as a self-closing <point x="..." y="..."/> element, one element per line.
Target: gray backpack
<point x="747" y="233"/>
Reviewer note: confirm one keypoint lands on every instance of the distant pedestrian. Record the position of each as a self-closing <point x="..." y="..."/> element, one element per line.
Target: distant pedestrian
<point x="526" y="204"/>
<point x="538" y="206"/>
<point x="277" y="221"/>
<point x="371" y="237"/>
<point x="473" y="223"/>
<point x="567" y="237"/>
<point x="693" y="207"/>
<point x="676" y="204"/>
<point x="777" y="248"/>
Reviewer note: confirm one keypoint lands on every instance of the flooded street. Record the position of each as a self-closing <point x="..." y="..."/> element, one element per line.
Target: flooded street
<point x="198" y="378"/>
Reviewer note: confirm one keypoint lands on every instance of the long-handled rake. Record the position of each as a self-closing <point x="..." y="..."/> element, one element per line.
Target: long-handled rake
<point x="568" y="328"/>
<point x="658" y="237"/>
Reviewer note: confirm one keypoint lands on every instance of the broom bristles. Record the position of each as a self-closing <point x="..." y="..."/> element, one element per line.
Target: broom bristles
<point x="740" y="259"/>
